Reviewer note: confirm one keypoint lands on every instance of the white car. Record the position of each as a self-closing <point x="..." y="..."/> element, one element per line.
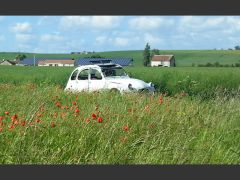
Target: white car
<point x="106" y="76"/>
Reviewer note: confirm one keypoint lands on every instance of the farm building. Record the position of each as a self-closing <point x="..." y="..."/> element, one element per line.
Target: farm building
<point x="8" y="62"/>
<point x="163" y="61"/>
<point x="120" y="61"/>
<point x="56" y="62"/>
<point x="32" y="61"/>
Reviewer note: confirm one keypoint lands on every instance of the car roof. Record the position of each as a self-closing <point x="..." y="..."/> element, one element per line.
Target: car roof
<point x="99" y="65"/>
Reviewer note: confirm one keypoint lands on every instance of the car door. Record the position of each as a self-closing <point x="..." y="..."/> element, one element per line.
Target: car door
<point x="96" y="81"/>
<point x="82" y="82"/>
<point x="71" y="85"/>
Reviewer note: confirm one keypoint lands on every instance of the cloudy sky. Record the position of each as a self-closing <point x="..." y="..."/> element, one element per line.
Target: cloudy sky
<point x="64" y="34"/>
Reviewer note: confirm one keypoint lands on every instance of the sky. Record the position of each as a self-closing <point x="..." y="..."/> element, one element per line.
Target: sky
<point x="65" y="34"/>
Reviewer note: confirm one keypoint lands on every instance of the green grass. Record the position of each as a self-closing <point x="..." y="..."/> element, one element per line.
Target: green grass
<point x="200" y="128"/>
<point x="177" y="131"/>
<point x="183" y="57"/>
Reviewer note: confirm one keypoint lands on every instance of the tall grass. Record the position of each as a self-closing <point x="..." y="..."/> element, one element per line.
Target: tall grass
<point x="161" y="130"/>
<point x="202" y="82"/>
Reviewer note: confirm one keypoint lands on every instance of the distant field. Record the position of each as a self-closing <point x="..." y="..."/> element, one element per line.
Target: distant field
<point x="183" y="57"/>
<point x="203" y="82"/>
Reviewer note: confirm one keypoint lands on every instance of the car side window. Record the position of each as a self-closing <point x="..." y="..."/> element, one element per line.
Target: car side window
<point x="95" y="75"/>
<point x="74" y="75"/>
<point x="83" y="75"/>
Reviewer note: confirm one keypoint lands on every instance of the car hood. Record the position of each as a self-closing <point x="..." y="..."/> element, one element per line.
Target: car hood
<point x="136" y="83"/>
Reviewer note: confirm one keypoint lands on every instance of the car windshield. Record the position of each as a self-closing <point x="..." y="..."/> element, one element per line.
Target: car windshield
<point x="113" y="71"/>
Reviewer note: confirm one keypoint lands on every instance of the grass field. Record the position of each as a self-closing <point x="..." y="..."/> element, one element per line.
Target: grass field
<point x="42" y="124"/>
<point x="183" y="58"/>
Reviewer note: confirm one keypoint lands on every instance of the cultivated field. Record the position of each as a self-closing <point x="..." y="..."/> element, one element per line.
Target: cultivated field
<point x="184" y="58"/>
<point x="197" y="122"/>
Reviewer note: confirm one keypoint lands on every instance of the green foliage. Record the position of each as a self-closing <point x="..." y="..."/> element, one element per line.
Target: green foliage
<point x="146" y="55"/>
<point x="179" y="130"/>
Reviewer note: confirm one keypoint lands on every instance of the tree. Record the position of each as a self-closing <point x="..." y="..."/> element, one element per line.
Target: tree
<point x="237" y="47"/>
<point x="20" y="57"/>
<point x="155" y="52"/>
<point x="96" y="56"/>
<point x="146" y="55"/>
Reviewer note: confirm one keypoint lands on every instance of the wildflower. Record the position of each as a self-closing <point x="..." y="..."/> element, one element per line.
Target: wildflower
<point x="77" y="110"/>
<point x="38" y="120"/>
<point x="126" y="128"/>
<point x="66" y="107"/>
<point x="1" y="118"/>
<point x="88" y="120"/>
<point x="58" y="104"/>
<point x="39" y="115"/>
<point x="74" y="103"/>
<point x="53" y="124"/>
<point x="15" y="122"/>
<point x="14" y="117"/>
<point x="7" y="113"/>
<point x="94" y="116"/>
<point x="100" y="120"/>
<point x="11" y="127"/>
<point x="1" y="124"/>
<point x="23" y="123"/>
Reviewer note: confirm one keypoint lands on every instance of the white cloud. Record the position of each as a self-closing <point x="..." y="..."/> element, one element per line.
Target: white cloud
<point x="101" y="40"/>
<point x="24" y="27"/>
<point x="152" y="40"/>
<point x="150" y="23"/>
<point x="120" y="41"/>
<point x="106" y="22"/>
<point x="83" y="22"/>
<point x="24" y="38"/>
<point x="51" y="37"/>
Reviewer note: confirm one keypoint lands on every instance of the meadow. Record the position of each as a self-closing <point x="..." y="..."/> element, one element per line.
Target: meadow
<point x="184" y="58"/>
<point x="192" y="119"/>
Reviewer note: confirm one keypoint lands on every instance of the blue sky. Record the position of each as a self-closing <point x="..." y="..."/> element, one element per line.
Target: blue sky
<point x="64" y="34"/>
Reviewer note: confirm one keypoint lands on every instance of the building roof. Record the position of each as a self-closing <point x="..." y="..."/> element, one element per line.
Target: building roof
<point x="88" y="61"/>
<point x="162" y="57"/>
<point x="59" y="61"/>
<point x="30" y="61"/>
<point x="11" y="62"/>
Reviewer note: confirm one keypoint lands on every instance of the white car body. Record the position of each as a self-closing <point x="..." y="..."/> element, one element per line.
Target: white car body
<point x="107" y="76"/>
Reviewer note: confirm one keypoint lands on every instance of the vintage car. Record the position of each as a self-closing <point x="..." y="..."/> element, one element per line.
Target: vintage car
<point x="105" y="76"/>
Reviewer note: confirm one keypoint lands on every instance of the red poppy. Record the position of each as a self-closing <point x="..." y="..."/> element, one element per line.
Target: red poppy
<point x="94" y="116"/>
<point x="1" y="118"/>
<point x="14" y="117"/>
<point x="100" y="120"/>
<point x="58" y="104"/>
<point x="11" y="127"/>
<point x="7" y="113"/>
<point x="23" y="123"/>
<point x="53" y="124"/>
<point x="38" y="120"/>
<point x="74" y="103"/>
<point x="67" y="107"/>
<point x="126" y="128"/>
<point x="77" y="110"/>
